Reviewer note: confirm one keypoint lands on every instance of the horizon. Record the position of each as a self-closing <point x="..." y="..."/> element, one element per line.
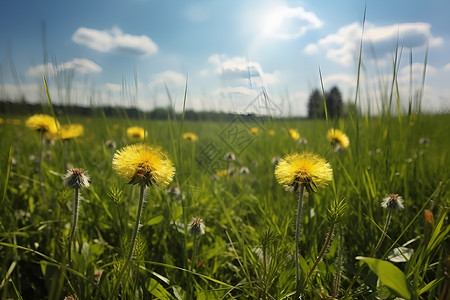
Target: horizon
<point x="136" y="53"/>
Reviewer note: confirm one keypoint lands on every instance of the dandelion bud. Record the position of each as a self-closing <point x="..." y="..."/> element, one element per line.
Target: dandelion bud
<point x="393" y="202"/>
<point x="197" y="228"/>
<point x="76" y="179"/>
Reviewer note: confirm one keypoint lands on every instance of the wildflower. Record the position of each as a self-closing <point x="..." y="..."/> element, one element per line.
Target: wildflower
<point x="76" y="179"/>
<point x="147" y="166"/>
<point x="393" y="202"/>
<point x="42" y="123"/>
<point x="275" y="160"/>
<point x="221" y="173"/>
<point x="302" y="141"/>
<point x="144" y="164"/>
<point x="254" y="130"/>
<point x="197" y="227"/>
<point x="424" y="140"/>
<point x="136" y="133"/>
<point x="110" y="144"/>
<point x="71" y="131"/>
<point x="306" y="169"/>
<point x="302" y="171"/>
<point x="271" y="132"/>
<point x="244" y="170"/>
<point x="2" y="121"/>
<point x="338" y="139"/>
<point x="229" y="156"/>
<point x="189" y="136"/>
<point x="98" y="275"/>
<point x="294" y="134"/>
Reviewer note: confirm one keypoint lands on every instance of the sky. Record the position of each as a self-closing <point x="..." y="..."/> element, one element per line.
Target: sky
<point x="225" y="54"/>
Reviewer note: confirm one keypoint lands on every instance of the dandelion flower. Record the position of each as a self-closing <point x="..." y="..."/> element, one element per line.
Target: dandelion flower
<point x="71" y="131"/>
<point x="76" y="179"/>
<point x="393" y="202"/>
<point x="338" y="139"/>
<point x="42" y="123"/>
<point x="254" y="130"/>
<point x="136" y="133"/>
<point x="147" y="166"/>
<point x="294" y="134"/>
<point x="189" y="136"/>
<point x="306" y="169"/>
<point x="221" y="173"/>
<point x="271" y="132"/>
<point x="144" y="164"/>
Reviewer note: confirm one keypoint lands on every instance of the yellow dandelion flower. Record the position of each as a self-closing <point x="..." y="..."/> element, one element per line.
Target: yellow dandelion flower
<point x="221" y="173"/>
<point x="254" y="130"/>
<point x="144" y="164"/>
<point x="136" y="133"/>
<point x="71" y="131"/>
<point x="42" y="123"/>
<point x="294" y="134"/>
<point x="338" y="139"/>
<point x="2" y="121"/>
<point x="271" y="132"/>
<point x="305" y="169"/>
<point x="189" y="136"/>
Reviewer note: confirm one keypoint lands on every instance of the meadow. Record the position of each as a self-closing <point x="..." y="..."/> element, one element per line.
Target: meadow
<point x="351" y="247"/>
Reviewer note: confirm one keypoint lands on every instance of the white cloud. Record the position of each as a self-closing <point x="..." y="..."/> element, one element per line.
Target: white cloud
<point x="283" y="22"/>
<point x="447" y="67"/>
<point x="241" y="69"/>
<point x="78" y="65"/>
<point x="240" y="90"/>
<point x="170" y="78"/>
<point x="115" y="40"/>
<point x="113" y="87"/>
<point x="343" y="46"/>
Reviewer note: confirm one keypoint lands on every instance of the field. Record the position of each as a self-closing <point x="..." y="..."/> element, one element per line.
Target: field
<point x="351" y="247"/>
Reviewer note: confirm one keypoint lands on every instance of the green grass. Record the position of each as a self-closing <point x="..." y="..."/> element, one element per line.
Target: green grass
<point x="248" y="249"/>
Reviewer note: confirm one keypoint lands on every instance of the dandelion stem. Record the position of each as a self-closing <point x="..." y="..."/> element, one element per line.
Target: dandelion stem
<point x="74" y="223"/>
<point x="297" y="244"/>
<point x="133" y="240"/>
<point x="325" y="246"/>
<point x="374" y="251"/>
<point x="41" y="157"/>
<point x="194" y="253"/>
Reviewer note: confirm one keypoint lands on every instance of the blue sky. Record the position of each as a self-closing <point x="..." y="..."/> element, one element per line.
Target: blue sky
<point x="127" y="52"/>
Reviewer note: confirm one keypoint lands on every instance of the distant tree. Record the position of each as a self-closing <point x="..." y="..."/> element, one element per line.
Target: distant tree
<point x="315" y="105"/>
<point x="334" y="103"/>
<point x="333" y="100"/>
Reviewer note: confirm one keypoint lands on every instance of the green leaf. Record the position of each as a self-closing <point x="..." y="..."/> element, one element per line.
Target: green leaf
<point x="390" y="275"/>
<point x="154" y="220"/>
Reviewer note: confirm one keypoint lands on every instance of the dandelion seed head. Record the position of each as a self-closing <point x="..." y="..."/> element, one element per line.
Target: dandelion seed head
<point x="392" y="202"/>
